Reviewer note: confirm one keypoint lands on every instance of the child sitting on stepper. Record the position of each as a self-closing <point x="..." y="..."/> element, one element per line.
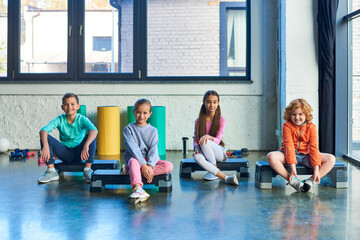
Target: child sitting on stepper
<point x="300" y="146"/>
<point x="75" y="145"/>
<point x="208" y="144"/>
<point x="141" y="153"/>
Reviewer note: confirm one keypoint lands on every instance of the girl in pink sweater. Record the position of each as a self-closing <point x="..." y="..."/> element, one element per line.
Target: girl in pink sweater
<point x="208" y="144"/>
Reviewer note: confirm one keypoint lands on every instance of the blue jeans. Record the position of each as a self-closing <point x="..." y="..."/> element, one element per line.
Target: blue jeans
<point x="69" y="155"/>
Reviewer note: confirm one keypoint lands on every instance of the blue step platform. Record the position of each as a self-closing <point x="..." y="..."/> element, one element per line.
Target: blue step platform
<point x="188" y="166"/>
<point x="79" y="166"/>
<point x="101" y="178"/>
<point x="337" y="177"/>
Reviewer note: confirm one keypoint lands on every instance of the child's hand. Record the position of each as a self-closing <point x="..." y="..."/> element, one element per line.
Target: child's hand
<point x="147" y="172"/>
<point x="293" y="171"/>
<point x="203" y="139"/>
<point x="316" y="174"/>
<point x="85" y="153"/>
<point x="45" y="153"/>
<point x="196" y="151"/>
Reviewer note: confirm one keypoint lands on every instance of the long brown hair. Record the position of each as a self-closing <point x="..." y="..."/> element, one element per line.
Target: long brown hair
<point x="201" y="123"/>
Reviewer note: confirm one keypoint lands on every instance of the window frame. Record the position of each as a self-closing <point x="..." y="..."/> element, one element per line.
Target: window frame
<point x="76" y="51"/>
<point x="224" y="6"/>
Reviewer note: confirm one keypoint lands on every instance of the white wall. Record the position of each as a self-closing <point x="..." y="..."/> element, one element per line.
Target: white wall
<point x="250" y="109"/>
<point x="301" y="53"/>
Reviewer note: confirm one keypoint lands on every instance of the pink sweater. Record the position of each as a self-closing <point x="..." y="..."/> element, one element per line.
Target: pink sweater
<point x="218" y="137"/>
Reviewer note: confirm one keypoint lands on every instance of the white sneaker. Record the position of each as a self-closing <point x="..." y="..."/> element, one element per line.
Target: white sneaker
<point x="138" y="195"/>
<point x="308" y="184"/>
<point x="232" y="180"/>
<point x="210" y="177"/>
<point x="87" y="175"/>
<point x="124" y="170"/>
<point x="296" y="184"/>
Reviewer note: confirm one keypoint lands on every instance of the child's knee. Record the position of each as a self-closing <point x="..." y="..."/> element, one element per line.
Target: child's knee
<point x="330" y="159"/>
<point x="169" y="167"/>
<point x="133" y="162"/>
<point x="199" y="157"/>
<point x="270" y="157"/>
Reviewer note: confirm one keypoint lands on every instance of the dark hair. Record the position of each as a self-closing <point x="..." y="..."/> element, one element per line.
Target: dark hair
<point x="142" y="101"/>
<point x="201" y="123"/>
<point x="69" y="95"/>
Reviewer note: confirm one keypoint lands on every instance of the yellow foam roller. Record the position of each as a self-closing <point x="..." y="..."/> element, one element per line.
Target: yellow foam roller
<point x="108" y="139"/>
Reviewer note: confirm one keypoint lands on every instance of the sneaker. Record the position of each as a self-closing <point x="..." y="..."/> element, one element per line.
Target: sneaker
<point x="296" y="184"/>
<point x="124" y="170"/>
<point x="49" y="176"/>
<point x="232" y="180"/>
<point x="308" y="184"/>
<point x="138" y="195"/>
<point x="210" y="177"/>
<point x="87" y="175"/>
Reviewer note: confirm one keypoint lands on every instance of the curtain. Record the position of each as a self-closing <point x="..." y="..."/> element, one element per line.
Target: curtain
<point x="326" y="39"/>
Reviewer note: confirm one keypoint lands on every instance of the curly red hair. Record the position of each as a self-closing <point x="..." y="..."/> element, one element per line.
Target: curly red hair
<point x="298" y="103"/>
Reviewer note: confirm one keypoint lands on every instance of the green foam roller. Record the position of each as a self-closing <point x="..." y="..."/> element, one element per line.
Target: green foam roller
<point x="130" y="114"/>
<point x="158" y="120"/>
<point x="82" y="110"/>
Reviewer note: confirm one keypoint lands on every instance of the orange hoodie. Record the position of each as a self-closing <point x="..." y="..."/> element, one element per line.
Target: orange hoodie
<point x="301" y="138"/>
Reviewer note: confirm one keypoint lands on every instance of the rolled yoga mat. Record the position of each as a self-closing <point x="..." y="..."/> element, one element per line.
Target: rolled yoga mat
<point x="108" y="138"/>
<point x="82" y="110"/>
<point x="157" y="120"/>
<point x="130" y="114"/>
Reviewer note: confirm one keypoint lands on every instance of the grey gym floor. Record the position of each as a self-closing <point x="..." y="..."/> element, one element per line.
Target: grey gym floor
<point x="193" y="210"/>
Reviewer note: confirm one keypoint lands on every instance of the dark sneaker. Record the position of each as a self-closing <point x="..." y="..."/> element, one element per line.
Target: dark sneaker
<point x="232" y="180"/>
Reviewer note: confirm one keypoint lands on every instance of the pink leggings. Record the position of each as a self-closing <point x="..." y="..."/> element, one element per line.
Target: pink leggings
<point x="161" y="167"/>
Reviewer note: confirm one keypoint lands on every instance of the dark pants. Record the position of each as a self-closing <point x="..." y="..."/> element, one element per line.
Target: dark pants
<point x="69" y="155"/>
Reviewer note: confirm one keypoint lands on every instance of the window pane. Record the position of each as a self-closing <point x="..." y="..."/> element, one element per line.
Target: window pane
<point x="3" y="38"/>
<point x="43" y="47"/>
<point x="183" y="39"/>
<point x="355" y="23"/>
<point x="109" y="36"/>
<point x="236" y="42"/>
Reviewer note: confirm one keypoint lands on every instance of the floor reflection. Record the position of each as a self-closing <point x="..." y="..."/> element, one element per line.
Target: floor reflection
<point x="195" y="209"/>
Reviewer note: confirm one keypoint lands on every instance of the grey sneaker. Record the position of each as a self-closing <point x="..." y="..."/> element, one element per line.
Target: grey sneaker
<point x="49" y="176"/>
<point x="87" y="175"/>
<point x="210" y="177"/>
<point x="232" y="180"/>
<point x="296" y="184"/>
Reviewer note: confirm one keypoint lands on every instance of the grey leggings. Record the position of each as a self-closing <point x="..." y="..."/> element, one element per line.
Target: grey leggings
<point x="211" y="153"/>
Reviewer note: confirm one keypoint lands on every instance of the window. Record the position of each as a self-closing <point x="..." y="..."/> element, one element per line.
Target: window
<point x="128" y="40"/>
<point x="43" y="36"/>
<point x="102" y="44"/>
<point x="185" y="38"/>
<point x="109" y="36"/>
<point x="355" y="84"/>
<point x="233" y="40"/>
<point x="3" y="38"/>
<point x="353" y="73"/>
